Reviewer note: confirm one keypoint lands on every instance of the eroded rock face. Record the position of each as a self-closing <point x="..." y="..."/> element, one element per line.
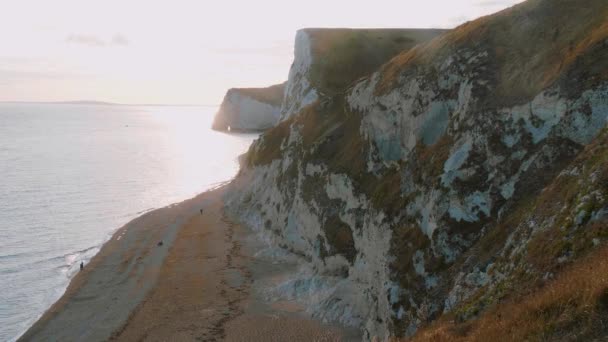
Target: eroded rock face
<point x="370" y="275"/>
<point x="405" y="199"/>
<point x="299" y="92"/>
<point x="249" y="109"/>
<point x="328" y="61"/>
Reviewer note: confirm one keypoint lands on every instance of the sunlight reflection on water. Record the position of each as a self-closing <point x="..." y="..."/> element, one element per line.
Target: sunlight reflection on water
<point x="73" y="174"/>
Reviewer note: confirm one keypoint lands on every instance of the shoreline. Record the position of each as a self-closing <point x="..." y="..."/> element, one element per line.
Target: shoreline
<point x="200" y="281"/>
<point x="111" y="235"/>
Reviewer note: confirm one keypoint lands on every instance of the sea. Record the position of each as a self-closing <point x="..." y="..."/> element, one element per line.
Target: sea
<point x="72" y="174"/>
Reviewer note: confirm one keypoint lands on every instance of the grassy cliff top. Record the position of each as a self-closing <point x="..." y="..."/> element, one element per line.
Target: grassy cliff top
<point x="341" y="56"/>
<point x="531" y="45"/>
<point x="272" y="95"/>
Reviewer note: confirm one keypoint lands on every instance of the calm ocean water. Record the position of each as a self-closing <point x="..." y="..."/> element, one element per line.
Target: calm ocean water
<point x="70" y="175"/>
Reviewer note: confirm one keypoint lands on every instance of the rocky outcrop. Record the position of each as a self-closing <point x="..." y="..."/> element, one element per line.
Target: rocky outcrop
<point x="249" y="109"/>
<point x="327" y="61"/>
<point x="421" y="189"/>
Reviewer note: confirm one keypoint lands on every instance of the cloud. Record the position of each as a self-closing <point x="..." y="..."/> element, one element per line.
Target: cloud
<point x="85" y="40"/>
<point x="95" y="41"/>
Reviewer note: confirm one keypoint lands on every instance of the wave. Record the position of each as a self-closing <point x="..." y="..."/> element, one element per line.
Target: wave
<point x="68" y="259"/>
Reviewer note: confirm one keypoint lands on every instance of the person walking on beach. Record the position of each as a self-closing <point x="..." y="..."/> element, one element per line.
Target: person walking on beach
<point x="201" y="211"/>
<point x="81" y="265"/>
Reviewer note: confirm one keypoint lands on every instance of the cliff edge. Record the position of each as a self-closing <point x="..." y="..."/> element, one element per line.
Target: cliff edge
<point x="451" y="178"/>
<point x="327" y="61"/>
<point x="249" y="109"/>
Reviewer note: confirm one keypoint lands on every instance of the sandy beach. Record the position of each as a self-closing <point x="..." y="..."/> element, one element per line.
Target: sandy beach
<point x="202" y="283"/>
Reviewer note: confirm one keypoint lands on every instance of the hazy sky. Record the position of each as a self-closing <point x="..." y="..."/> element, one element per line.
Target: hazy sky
<point x="181" y="51"/>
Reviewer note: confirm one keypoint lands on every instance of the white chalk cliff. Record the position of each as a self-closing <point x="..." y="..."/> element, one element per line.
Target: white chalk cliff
<point x="299" y="92"/>
<point x="249" y="109"/>
<point x="327" y="61"/>
<point x="407" y="193"/>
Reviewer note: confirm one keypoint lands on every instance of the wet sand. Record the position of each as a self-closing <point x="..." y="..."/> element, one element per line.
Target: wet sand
<point x="202" y="284"/>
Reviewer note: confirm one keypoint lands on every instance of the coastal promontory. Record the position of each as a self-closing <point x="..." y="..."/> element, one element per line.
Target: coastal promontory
<point x="250" y="109"/>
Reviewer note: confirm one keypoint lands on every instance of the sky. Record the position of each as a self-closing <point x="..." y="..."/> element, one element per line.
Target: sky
<point x="181" y="51"/>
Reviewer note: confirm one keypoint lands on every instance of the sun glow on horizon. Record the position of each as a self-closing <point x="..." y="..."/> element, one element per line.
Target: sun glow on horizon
<point x="180" y="52"/>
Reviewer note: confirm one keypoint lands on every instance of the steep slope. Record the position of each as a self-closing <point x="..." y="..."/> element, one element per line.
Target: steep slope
<point x="328" y="60"/>
<point x="414" y="194"/>
<point x="249" y="109"/>
<point x="557" y="241"/>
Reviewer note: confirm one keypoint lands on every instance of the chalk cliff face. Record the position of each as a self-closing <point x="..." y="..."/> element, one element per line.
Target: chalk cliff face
<point x="250" y="109"/>
<point x="428" y="187"/>
<point x="299" y="92"/>
<point x="326" y="61"/>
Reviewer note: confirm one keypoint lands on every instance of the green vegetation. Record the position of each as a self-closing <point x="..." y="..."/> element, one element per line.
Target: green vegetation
<point x="268" y="146"/>
<point x="571" y="250"/>
<point x="552" y="220"/>
<point x="569" y="202"/>
<point x="342" y="56"/>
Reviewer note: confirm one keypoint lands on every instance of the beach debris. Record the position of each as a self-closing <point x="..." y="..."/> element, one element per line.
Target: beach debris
<point x="160" y="243"/>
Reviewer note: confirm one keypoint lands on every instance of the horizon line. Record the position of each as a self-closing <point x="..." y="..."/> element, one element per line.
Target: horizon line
<point x="104" y="103"/>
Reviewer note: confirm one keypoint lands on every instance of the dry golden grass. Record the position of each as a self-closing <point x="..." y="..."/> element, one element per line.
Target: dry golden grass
<point x="574" y="306"/>
<point x="597" y="35"/>
<point x="271" y="95"/>
<point x="567" y="236"/>
<point x="530" y="45"/>
<point x="268" y="148"/>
